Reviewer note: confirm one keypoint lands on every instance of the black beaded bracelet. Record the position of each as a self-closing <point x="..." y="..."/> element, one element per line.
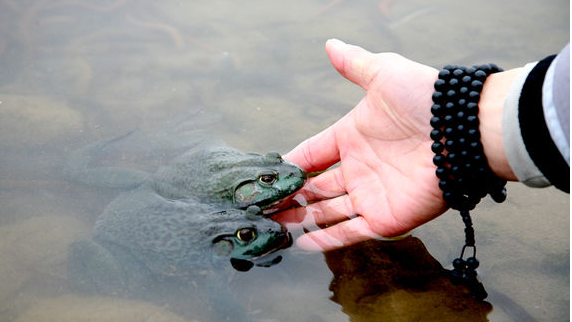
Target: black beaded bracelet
<point x="464" y="174"/>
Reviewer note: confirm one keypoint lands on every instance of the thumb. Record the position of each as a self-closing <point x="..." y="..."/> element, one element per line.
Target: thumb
<point x="353" y="62"/>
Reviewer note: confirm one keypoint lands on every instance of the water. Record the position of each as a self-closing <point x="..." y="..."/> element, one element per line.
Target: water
<point x="254" y="73"/>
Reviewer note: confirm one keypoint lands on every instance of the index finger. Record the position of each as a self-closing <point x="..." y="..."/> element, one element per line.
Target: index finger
<point x="316" y="153"/>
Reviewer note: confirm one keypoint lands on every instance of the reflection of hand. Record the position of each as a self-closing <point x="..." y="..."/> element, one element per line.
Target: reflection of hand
<point x="398" y="281"/>
<point x="386" y="174"/>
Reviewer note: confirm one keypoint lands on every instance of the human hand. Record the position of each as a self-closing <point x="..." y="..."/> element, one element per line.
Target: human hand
<point x="385" y="184"/>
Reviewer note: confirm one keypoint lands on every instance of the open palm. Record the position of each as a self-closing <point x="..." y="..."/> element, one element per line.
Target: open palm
<point x="385" y="183"/>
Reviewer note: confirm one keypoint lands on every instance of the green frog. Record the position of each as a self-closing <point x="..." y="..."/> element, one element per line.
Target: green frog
<point x="146" y="246"/>
<point x="225" y="176"/>
<point x="142" y="237"/>
<point x="213" y="174"/>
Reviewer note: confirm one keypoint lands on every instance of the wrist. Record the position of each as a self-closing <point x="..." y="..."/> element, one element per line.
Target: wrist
<point x="495" y="90"/>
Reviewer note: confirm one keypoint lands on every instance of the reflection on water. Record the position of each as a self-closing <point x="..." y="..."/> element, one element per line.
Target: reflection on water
<point x="400" y="281"/>
<point x="74" y="72"/>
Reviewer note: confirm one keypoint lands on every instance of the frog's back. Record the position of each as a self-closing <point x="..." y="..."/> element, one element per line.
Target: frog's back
<point x="161" y="233"/>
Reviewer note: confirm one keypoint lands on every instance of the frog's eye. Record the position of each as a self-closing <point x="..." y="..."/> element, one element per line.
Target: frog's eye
<point x="246" y="234"/>
<point x="267" y="179"/>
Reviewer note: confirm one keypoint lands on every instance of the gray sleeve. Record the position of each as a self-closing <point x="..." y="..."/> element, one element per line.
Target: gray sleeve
<point x="518" y="158"/>
<point x="556" y="102"/>
<point x="555" y="93"/>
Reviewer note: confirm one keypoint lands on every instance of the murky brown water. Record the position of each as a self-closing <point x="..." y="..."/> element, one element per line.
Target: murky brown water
<point x="255" y="74"/>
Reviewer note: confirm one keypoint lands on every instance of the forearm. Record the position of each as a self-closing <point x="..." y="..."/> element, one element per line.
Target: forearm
<point x="493" y="95"/>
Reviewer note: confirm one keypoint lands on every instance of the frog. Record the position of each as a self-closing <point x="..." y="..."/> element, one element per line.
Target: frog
<point x="143" y="240"/>
<point x="225" y="176"/>
<point x="211" y="173"/>
<point x="144" y="236"/>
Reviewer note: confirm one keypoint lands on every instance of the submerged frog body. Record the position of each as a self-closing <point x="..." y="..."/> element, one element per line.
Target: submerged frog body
<point x="143" y="237"/>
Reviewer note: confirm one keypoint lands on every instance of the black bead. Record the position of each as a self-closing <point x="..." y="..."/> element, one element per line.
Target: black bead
<point x="458" y="72"/>
<point x="475" y="145"/>
<point x="466" y="79"/>
<point x="444" y="73"/>
<point x="437" y="109"/>
<point x="487" y="68"/>
<point x="459" y="264"/>
<point x="454" y="82"/>
<point x="436" y="135"/>
<point x="470" y="70"/>
<point x="467" y="220"/>
<point x="449" y="196"/>
<point x="449" y="145"/>
<point x="451" y="157"/>
<point x="449" y="132"/>
<point x="460" y="128"/>
<point x="472" y="108"/>
<point x="445" y="185"/>
<point x="449" y="107"/>
<point x="479" y="159"/>
<point x="472" y="121"/>
<point x="451" y="94"/>
<point x="461" y="103"/>
<point x="474" y="96"/>
<point x="473" y="134"/>
<point x="463" y="90"/>
<point x="460" y="115"/>
<point x="439" y="160"/>
<point x="436" y="122"/>
<point x="440" y="84"/>
<point x="437" y="147"/>
<point x="448" y="118"/>
<point x="437" y="96"/>
<point x="470" y="277"/>
<point x="499" y="196"/>
<point x="441" y="173"/>
<point x="472" y="263"/>
<point x="477" y="85"/>
<point x="480" y="75"/>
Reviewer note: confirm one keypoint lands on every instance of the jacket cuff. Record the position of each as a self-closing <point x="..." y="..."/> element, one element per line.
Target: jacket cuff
<point x="518" y="158"/>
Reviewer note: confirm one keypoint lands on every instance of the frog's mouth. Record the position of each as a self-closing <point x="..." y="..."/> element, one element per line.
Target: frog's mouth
<point x="263" y="260"/>
<point x="279" y="205"/>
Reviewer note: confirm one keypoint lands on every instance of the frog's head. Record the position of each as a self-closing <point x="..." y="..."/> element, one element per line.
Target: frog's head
<point x="250" y="239"/>
<point x="266" y="181"/>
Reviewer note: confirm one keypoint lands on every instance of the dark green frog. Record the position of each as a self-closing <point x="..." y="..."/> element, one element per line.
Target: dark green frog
<point x="221" y="175"/>
<point x="143" y="237"/>
<point x="212" y="174"/>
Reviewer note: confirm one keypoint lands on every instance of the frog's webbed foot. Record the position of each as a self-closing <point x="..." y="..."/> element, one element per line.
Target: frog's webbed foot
<point x="93" y="269"/>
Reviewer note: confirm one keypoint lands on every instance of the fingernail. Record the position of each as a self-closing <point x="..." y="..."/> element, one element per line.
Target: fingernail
<point x="335" y="42"/>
